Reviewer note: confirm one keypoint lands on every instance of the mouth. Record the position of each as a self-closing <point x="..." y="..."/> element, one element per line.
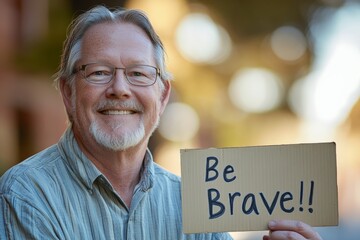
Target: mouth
<point x="111" y="108"/>
<point x="117" y="112"/>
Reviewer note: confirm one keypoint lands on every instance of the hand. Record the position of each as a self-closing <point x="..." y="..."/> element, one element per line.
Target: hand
<point x="290" y="230"/>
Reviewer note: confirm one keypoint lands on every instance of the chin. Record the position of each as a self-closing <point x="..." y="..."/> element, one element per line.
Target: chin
<point x="117" y="141"/>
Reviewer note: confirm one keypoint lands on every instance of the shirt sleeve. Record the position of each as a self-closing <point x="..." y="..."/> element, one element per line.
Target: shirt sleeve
<point x="207" y="236"/>
<point x="222" y="236"/>
<point x="20" y="220"/>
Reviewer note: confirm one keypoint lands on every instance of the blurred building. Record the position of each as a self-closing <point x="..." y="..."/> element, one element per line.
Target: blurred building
<point x="31" y="113"/>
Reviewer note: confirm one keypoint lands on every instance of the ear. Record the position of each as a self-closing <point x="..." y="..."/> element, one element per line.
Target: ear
<point x="165" y="95"/>
<point x="66" y="93"/>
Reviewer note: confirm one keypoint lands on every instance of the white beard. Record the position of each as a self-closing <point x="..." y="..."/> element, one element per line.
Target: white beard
<point x="115" y="142"/>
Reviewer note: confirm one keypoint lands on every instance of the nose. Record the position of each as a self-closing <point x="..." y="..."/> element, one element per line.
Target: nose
<point x="119" y="86"/>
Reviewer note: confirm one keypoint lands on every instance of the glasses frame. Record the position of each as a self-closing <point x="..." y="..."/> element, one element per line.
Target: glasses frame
<point x="83" y="68"/>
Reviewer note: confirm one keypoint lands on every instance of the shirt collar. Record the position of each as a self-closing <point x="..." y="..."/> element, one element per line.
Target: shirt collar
<point x="76" y="160"/>
<point x="148" y="173"/>
<point x="87" y="172"/>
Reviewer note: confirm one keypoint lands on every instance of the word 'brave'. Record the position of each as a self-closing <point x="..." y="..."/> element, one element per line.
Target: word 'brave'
<point x="248" y="203"/>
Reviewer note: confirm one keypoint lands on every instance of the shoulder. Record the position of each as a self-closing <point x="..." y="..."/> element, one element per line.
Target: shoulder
<point x="164" y="174"/>
<point x="33" y="169"/>
<point x="165" y="180"/>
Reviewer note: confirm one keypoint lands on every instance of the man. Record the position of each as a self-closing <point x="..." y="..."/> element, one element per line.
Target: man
<point x="100" y="181"/>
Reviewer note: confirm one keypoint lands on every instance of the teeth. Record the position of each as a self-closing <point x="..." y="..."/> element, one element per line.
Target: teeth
<point x="117" y="112"/>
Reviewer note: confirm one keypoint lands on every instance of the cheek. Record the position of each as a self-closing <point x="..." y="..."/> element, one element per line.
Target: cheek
<point x="157" y="111"/>
<point x="83" y="103"/>
<point x="153" y="110"/>
<point x="71" y="109"/>
<point x="73" y="102"/>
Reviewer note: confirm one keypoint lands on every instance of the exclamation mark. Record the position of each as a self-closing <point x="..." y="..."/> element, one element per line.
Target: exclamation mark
<point x="311" y="196"/>
<point x="301" y="195"/>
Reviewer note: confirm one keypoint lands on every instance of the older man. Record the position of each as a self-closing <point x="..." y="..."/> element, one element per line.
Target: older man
<point x="100" y="181"/>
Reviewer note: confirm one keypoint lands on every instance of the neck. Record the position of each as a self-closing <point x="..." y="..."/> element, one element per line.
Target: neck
<point x="121" y="168"/>
<point x="124" y="174"/>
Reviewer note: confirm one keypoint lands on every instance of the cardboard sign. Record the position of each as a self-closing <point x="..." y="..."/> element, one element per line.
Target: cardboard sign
<point x="241" y="189"/>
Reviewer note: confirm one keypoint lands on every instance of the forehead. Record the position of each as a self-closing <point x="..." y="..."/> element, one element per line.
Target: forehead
<point x="124" y="40"/>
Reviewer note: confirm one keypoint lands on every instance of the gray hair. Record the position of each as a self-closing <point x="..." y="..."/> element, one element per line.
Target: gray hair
<point x="101" y="14"/>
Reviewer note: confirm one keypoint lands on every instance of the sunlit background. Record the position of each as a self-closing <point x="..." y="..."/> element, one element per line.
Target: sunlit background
<point x="246" y="73"/>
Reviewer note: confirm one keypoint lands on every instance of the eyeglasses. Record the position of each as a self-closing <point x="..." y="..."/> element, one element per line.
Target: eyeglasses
<point x="138" y="75"/>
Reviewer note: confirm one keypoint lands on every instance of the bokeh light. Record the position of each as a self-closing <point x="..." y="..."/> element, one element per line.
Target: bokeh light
<point x="329" y="92"/>
<point x="179" y="122"/>
<point x="288" y="43"/>
<point x="199" y="39"/>
<point x="256" y="90"/>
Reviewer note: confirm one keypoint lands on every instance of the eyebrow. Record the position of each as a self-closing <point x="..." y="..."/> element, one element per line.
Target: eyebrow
<point x="140" y="62"/>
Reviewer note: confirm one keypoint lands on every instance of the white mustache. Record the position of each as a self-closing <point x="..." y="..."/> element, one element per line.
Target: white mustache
<point x="109" y="104"/>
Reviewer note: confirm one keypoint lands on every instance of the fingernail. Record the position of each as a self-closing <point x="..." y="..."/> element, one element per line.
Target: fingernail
<point x="272" y="224"/>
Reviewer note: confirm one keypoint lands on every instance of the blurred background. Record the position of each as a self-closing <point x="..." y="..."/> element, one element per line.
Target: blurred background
<point x="245" y="73"/>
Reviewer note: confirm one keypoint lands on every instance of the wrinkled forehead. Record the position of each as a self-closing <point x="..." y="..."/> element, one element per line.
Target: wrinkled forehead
<point x="115" y="40"/>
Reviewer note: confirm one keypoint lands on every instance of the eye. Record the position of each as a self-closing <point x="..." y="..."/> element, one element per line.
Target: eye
<point x="141" y="72"/>
<point x="136" y="72"/>
<point x="98" y="71"/>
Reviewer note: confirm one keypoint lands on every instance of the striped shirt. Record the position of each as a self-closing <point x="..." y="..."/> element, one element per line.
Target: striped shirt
<point x="59" y="194"/>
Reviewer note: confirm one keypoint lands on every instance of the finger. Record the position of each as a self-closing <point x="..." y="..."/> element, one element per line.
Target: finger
<point x="266" y="237"/>
<point x="296" y="226"/>
<point x="286" y="235"/>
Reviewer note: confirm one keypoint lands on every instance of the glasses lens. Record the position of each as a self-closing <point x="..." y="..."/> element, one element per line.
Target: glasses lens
<point x="96" y="73"/>
<point x="141" y="75"/>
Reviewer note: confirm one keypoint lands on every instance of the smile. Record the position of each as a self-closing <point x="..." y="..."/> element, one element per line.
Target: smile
<point x="117" y="112"/>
